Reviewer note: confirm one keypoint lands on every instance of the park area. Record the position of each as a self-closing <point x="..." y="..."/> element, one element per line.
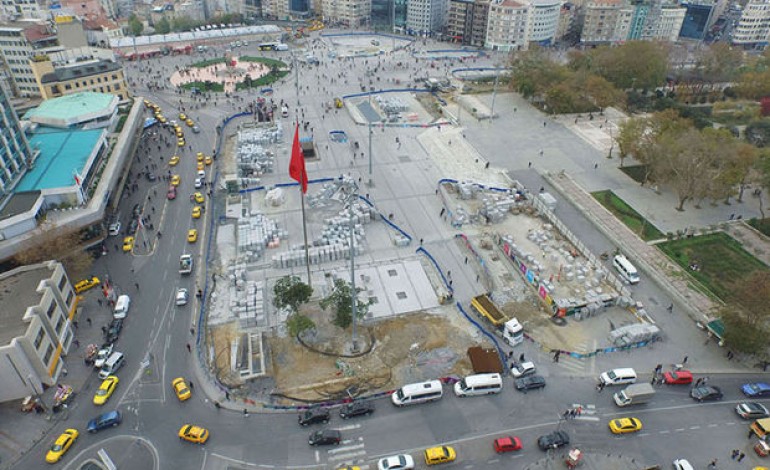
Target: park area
<point x="230" y="74"/>
<point x="716" y="261"/>
<point x="626" y="214"/>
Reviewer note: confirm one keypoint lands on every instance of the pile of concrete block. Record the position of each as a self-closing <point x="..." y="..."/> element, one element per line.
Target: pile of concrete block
<point x="247" y="300"/>
<point x="255" y="234"/>
<point x="391" y="105"/>
<point x="275" y="197"/>
<point x="253" y="156"/>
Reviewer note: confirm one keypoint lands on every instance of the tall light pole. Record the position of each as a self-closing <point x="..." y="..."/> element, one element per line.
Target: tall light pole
<point x="371" y="179"/>
<point x="354" y="293"/>
<point x="494" y="96"/>
<point x="296" y="77"/>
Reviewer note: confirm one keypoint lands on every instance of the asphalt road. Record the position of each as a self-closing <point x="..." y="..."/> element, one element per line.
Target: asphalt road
<point x="156" y="333"/>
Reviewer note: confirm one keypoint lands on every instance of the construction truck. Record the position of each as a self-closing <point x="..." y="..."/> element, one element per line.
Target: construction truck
<point x="509" y="328"/>
<point x="185" y="264"/>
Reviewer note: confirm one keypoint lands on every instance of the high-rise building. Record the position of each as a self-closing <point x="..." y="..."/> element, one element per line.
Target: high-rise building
<point x="15" y="152"/>
<point x="600" y="19"/>
<point x="382" y="15"/>
<point x="543" y="20"/>
<point x="753" y="29"/>
<point x="425" y="17"/>
<point x="19" y="42"/>
<point x="12" y="10"/>
<point x="467" y="21"/>
<point x="350" y="13"/>
<point x="696" y="19"/>
<point x="508" y="26"/>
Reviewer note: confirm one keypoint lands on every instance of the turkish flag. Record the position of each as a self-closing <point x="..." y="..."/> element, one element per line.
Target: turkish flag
<point x="297" y="164"/>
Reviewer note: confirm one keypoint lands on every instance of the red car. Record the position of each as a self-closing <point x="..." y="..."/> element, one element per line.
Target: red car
<point x="507" y="444"/>
<point x="171" y="193"/>
<point x="678" y="377"/>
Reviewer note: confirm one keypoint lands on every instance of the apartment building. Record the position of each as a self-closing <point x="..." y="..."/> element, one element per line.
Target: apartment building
<point x="19" y="41"/>
<point x="15" y="152"/>
<point x="543" y="21"/>
<point x="426" y="17"/>
<point x="349" y="13"/>
<point x="753" y="29"/>
<point x="508" y="26"/>
<point x="12" y="10"/>
<point x="38" y="307"/>
<point x="467" y="21"/>
<point x="62" y="78"/>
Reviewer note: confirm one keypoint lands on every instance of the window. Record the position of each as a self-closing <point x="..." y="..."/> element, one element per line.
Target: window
<point x="39" y="338"/>
<point x="62" y="283"/>
<point x="70" y="295"/>
<point x="51" y="309"/>
<point x="60" y="324"/>
<point x="48" y="354"/>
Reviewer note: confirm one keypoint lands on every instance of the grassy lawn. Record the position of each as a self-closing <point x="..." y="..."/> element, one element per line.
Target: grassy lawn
<point x="628" y="215"/>
<point x="763" y="225"/>
<point x="207" y="62"/>
<point x="723" y="264"/>
<point x="635" y="172"/>
<point x="203" y="86"/>
<point x="264" y="60"/>
<point x="261" y="81"/>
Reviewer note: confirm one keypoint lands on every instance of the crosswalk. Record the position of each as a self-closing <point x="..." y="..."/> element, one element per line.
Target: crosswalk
<point x="351" y="451"/>
<point x="577" y="366"/>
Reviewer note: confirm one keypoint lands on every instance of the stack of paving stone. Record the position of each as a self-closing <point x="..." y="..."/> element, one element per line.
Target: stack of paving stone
<point x="466" y="190"/>
<point x="252" y="152"/>
<point x="247" y="301"/>
<point x="391" y="105"/>
<point x="255" y="234"/>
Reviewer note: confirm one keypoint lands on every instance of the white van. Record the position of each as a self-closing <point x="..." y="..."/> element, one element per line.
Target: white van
<point x="422" y="392"/>
<point x="618" y="376"/>
<point x="111" y="365"/>
<point x="281" y="47"/>
<point x="479" y="384"/>
<point x="285" y="111"/>
<point x="121" y="306"/>
<point x="626" y="270"/>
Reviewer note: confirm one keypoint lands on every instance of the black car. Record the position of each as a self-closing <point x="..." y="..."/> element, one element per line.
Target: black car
<point x="554" y="440"/>
<point x="113" y="330"/>
<point x="357" y="408"/>
<point x="325" y="437"/>
<point x="706" y="393"/>
<point x="313" y="416"/>
<point x="529" y="383"/>
<point x="752" y="410"/>
<point x="105" y="420"/>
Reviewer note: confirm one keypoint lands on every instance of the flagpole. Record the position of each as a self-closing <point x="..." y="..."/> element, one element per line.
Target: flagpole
<point x="304" y="230"/>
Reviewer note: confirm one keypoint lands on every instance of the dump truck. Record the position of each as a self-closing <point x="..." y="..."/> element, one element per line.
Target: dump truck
<point x="185" y="264"/>
<point x="509" y="328"/>
<point x="635" y="394"/>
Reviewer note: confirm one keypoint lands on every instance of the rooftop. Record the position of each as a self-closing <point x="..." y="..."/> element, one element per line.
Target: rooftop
<point x="63" y="74"/>
<point x="161" y="39"/>
<point x="66" y="110"/>
<point x="19" y="203"/>
<point x="62" y="154"/>
<point x="17" y="293"/>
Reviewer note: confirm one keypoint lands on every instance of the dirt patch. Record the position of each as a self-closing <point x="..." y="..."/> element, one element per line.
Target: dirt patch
<point x="405" y="349"/>
<point x="222" y="336"/>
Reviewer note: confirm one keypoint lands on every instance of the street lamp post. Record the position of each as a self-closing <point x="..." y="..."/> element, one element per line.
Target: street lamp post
<point x="494" y="96"/>
<point x="354" y="293"/>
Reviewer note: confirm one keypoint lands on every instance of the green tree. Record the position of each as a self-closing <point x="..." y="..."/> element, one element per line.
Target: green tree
<point x="183" y="23"/>
<point x="297" y="323"/>
<point x="740" y="334"/>
<point x="135" y="26"/>
<point x="290" y="291"/>
<point x="162" y="26"/>
<point x="340" y="301"/>
<point x="635" y="64"/>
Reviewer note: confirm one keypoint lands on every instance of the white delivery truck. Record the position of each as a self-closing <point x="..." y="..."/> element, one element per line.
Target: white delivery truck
<point x="635" y="394"/>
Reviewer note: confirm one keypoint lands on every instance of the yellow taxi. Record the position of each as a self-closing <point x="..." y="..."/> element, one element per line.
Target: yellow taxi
<point x="105" y="390"/>
<point x="625" y="425"/>
<point x="354" y="467"/>
<point x="440" y="454"/>
<point x="148" y="104"/>
<point x="128" y="243"/>
<point x="194" y="434"/>
<point x="180" y="142"/>
<point x="209" y="160"/>
<point x="61" y="445"/>
<point x="198" y="198"/>
<point x="199" y="156"/>
<point x="179" y="135"/>
<point x="181" y="389"/>
<point x="86" y="284"/>
<point x="190" y="122"/>
<point x="182" y="117"/>
<point x="162" y="119"/>
<point x="196" y="212"/>
<point x="192" y="235"/>
<point x="174" y="161"/>
<point x="175" y="180"/>
<point x="201" y="166"/>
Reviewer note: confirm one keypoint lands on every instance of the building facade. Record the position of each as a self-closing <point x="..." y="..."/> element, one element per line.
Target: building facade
<point x="753" y="29"/>
<point x="508" y="26"/>
<point x="349" y="13"/>
<point x="38" y="306"/>
<point x="426" y="17"/>
<point x="467" y="21"/>
<point x="600" y="21"/>
<point x="18" y="43"/>
<point x="15" y="152"/>
<point x="97" y="75"/>
<point x="12" y="10"/>
<point x="543" y="21"/>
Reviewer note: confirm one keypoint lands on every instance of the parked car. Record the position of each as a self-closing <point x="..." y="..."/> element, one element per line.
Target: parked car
<point x="313" y="416"/>
<point x="325" y="437"/>
<point x="522" y="369"/>
<point x="113" y="330"/>
<point x="103" y="354"/>
<point x="553" y="440"/>
<point x="440" y="454"/>
<point x="756" y="389"/>
<point x="752" y="410"/>
<point x="678" y="377"/>
<point x="682" y="464"/>
<point x="104" y="420"/>
<point x="531" y="382"/>
<point x="114" y="229"/>
<point x="86" y="284"/>
<point x="506" y="444"/>
<point x="171" y="194"/>
<point x="706" y="393"/>
<point x="357" y="408"/>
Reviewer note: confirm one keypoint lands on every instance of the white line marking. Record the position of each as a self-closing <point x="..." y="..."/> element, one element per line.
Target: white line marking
<point x="348" y="427"/>
<point x="318" y="454"/>
<point x="351" y="455"/>
<point x="346" y="448"/>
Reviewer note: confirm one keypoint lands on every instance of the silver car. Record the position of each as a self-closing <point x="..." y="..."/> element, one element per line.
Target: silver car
<point x="182" y="296"/>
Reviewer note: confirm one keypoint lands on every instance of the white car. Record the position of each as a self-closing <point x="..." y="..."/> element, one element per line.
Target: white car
<point x="182" y="296"/>
<point x="682" y="464"/>
<point x="114" y="229"/>
<point x="522" y="369"/>
<point x="396" y="462"/>
<point x="201" y="174"/>
<point x="102" y="355"/>
<point x="198" y="182"/>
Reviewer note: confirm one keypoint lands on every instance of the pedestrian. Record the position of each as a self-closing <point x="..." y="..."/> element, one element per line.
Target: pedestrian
<point x="245" y="412"/>
<point x="443" y="210"/>
<point x="104" y="328"/>
<point x="192" y="331"/>
<point x="217" y="405"/>
<point x="684" y="361"/>
<point x="751" y="433"/>
<point x="192" y="387"/>
<point x="705" y="379"/>
<point x="136" y="284"/>
<point x="734" y="454"/>
<point x="466" y="260"/>
<point x="713" y="464"/>
<point x="653" y="380"/>
<point x="227" y="395"/>
<point x="510" y="354"/>
<point x="740" y="457"/>
<point x="75" y="324"/>
<point x="697" y="382"/>
<point x="88" y="320"/>
<point x="596" y="165"/>
<point x="421" y="240"/>
<point x="529" y="165"/>
<point x="76" y="343"/>
<point x="189" y="349"/>
<point x="566" y="414"/>
<point x="670" y="308"/>
<point x="730" y="355"/>
<point x="99" y="301"/>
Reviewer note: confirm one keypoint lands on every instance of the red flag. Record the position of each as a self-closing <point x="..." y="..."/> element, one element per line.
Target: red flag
<point x="297" y="164"/>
